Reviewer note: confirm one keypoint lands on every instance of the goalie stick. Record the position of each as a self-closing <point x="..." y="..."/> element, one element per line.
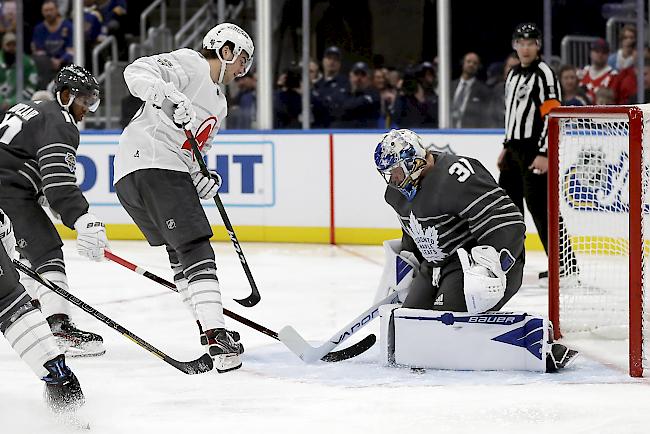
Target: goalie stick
<point x="200" y="365"/>
<point x="254" y="297"/>
<point x="334" y="356"/>
<point x="297" y="344"/>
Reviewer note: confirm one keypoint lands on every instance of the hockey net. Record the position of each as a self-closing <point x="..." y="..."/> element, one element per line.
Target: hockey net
<point x="599" y="205"/>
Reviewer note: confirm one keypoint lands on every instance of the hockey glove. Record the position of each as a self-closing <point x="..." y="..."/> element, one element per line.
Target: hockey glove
<point x="206" y="187"/>
<point x="91" y="237"/>
<point x="179" y="111"/>
<point x="7" y="235"/>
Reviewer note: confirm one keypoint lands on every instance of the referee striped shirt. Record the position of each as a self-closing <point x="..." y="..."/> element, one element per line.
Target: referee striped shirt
<point x="530" y="94"/>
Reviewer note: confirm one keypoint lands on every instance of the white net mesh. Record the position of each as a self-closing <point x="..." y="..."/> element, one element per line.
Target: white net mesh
<point x="594" y="169"/>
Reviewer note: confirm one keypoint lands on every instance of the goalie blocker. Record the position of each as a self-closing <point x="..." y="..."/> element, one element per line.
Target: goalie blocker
<point x="473" y="342"/>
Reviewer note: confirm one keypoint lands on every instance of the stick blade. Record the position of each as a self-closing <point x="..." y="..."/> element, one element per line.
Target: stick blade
<point x="352" y="351"/>
<point x="292" y="340"/>
<point x="198" y="366"/>
<point x="251" y="300"/>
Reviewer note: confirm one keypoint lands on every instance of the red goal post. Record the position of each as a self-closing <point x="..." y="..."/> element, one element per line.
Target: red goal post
<point x="583" y="142"/>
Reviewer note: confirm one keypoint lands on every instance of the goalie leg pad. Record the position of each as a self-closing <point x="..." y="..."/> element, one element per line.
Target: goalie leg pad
<point x="461" y="341"/>
<point x="400" y="268"/>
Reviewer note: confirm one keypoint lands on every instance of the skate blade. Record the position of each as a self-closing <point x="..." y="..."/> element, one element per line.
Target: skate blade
<point x="90" y="349"/>
<point x="227" y="362"/>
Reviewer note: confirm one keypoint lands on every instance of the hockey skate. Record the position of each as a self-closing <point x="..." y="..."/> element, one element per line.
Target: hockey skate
<point x="72" y="341"/>
<point x="225" y="349"/>
<point x="62" y="390"/>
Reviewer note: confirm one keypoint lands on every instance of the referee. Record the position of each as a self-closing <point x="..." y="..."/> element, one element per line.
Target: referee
<point x="531" y="91"/>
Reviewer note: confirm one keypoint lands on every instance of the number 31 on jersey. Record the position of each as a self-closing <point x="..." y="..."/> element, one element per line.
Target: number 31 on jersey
<point x="462" y="169"/>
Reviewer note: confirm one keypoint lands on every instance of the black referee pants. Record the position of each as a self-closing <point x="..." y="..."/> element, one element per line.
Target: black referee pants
<point x="521" y="183"/>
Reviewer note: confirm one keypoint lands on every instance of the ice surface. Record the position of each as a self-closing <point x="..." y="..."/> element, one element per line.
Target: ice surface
<point x="317" y="289"/>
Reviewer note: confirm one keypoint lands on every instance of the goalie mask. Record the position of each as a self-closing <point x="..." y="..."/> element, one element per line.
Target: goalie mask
<point x="216" y="38"/>
<point x="400" y="158"/>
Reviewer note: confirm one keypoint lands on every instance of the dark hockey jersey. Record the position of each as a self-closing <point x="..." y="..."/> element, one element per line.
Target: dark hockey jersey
<point x="38" y="154"/>
<point x="458" y="204"/>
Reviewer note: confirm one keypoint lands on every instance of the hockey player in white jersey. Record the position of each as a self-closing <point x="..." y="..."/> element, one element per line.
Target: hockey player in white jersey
<point x="158" y="181"/>
<point x="28" y="333"/>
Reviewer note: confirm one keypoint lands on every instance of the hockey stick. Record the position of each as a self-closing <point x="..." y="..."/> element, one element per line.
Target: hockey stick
<point x="200" y="365"/>
<point x="334" y="356"/>
<point x="297" y="344"/>
<point x="254" y="297"/>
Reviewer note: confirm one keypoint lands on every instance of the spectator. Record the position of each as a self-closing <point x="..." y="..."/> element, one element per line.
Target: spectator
<point x="314" y="72"/>
<point x="604" y="96"/>
<point x="597" y="74"/>
<point x="93" y="33"/>
<point x="625" y="56"/>
<point x="114" y="19"/>
<point x="427" y="76"/>
<point x="51" y="43"/>
<point x="241" y="115"/>
<point x="43" y="95"/>
<point x="572" y="95"/>
<point x="412" y="109"/>
<point x="470" y="97"/>
<point x="287" y="104"/>
<point x="360" y="106"/>
<point x="394" y="77"/>
<point x="497" y="112"/>
<point x="8" y="17"/>
<point x="646" y="85"/>
<point x="8" y="95"/>
<point x="328" y="92"/>
<point x="387" y="96"/>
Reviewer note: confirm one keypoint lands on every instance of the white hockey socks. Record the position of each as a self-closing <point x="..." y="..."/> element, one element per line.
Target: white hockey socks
<point x="205" y="296"/>
<point x="29" y="335"/>
<point x="51" y="302"/>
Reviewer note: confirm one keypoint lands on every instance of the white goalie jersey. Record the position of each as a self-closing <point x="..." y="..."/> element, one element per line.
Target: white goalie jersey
<point x="148" y="142"/>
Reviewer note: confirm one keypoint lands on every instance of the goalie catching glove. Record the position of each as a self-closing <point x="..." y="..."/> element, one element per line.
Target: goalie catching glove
<point x="175" y="106"/>
<point x="91" y="237"/>
<point x="484" y="276"/>
<point x="206" y="186"/>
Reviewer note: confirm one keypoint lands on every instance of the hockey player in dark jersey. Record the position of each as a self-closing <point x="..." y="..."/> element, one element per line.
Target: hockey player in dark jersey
<point x="25" y="328"/>
<point x="38" y="147"/>
<point x="457" y="223"/>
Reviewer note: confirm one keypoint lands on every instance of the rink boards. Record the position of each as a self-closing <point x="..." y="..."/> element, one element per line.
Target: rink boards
<point x="319" y="187"/>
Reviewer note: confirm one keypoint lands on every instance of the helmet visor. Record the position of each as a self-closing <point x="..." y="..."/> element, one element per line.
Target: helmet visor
<point x="89" y="101"/>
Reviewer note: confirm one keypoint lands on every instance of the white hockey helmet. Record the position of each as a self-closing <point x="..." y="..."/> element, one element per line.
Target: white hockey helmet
<point x="224" y="32"/>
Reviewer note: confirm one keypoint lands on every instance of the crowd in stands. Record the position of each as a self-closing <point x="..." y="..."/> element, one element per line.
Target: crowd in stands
<point x="360" y="97"/>
<point x="48" y="40"/>
<point x="408" y="98"/>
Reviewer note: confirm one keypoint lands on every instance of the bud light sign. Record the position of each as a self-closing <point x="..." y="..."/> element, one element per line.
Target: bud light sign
<point x="247" y="170"/>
